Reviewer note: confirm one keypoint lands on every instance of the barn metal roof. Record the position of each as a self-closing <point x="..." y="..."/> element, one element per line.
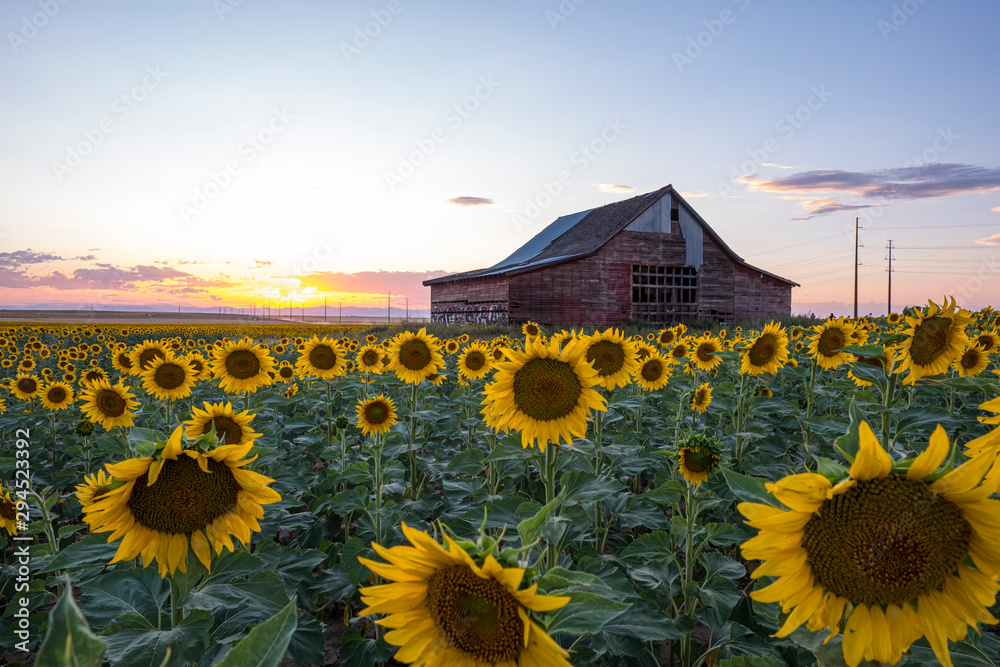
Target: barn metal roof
<point x="581" y="234"/>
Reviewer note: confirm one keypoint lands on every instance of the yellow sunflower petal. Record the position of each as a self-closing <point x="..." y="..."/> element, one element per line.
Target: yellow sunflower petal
<point x="930" y="458"/>
<point x="872" y="462"/>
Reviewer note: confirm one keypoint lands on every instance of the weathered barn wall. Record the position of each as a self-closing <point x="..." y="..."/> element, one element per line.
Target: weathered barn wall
<point x="482" y="301"/>
<point x="759" y="295"/>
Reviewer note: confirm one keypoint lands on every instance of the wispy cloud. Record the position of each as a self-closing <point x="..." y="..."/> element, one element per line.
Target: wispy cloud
<point x="775" y="165"/>
<point x="996" y="209"/>
<point x="903" y="183"/>
<point x="259" y="263"/>
<point x="470" y="201"/>
<point x="26" y="258"/>
<point x="371" y="282"/>
<point x="692" y="195"/>
<point x="989" y="240"/>
<point x="608" y="187"/>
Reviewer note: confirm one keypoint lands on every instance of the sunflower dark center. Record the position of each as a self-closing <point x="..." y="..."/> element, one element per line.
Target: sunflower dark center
<point x="370" y="358"/>
<point x="930" y="339"/>
<point x="169" y="376"/>
<point x="286" y="372"/>
<point x="764" y="350"/>
<point x="184" y="498"/>
<point x="970" y="359"/>
<point x="415" y="355"/>
<point x="666" y="337"/>
<point x="652" y="370"/>
<point x="985" y="342"/>
<point x="56" y="395"/>
<point x="475" y="360"/>
<point x="607" y="357"/>
<point x="679" y="351"/>
<point x="830" y="341"/>
<point x="376" y="413"/>
<point x="701" y="397"/>
<point x="93" y="375"/>
<point x="698" y="460"/>
<point x="196" y="365"/>
<point x="885" y="541"/>
<point x="706" y="352"/>
<point x="7" y="509"/>
<point x="226" y="428"/>
<point x="323" y="357"/>
<point x="546" y="389"/>
<point x="872" y="361"/>
<point x="478" y="616"/>
<point x="110" y="403"/>
<point x="27" y="385"/>
<point x="146" y="357"/>
<point x="124" y="360"/>
<point x="242" y="364"/>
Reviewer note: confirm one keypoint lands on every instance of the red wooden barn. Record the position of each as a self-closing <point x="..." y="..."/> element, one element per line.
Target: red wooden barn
<point x="650" y="257"/>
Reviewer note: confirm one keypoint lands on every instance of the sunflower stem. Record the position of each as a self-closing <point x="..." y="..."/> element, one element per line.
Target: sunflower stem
<point x="329" y="416"/>
<point x="740" y="421"/>
<point x="691" y="510"/>
<point x="549" y="462"/>
<point x="412" y="431"/>
<point x="176" y="608"/>
<point x="379" y="483"/>
<point x="602" y="531"/>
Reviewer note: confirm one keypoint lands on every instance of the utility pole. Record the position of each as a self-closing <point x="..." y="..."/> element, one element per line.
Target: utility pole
<point x="889" y="302"/>
<point x="857" y="245"/>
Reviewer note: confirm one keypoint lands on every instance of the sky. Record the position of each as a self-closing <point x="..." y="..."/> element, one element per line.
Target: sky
<point x="222" y="153"/>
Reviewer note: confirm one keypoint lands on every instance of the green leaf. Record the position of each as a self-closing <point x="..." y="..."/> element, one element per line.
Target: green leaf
<point x="849" y="443"/>
<point x="748" y="489"/>
<point x="724" y="534"/>
<point x="581" y="487"/>
<point x="357" y="651"/>
<point x="69" y="641"/>
<point x="531" y="529"/>
<point x="467" y="462"/>
<point x="751" y="661"/>
<point x="649" y="625"/>
<point x="91" y="550"/>
<point x="585" y="614"/>
<point x="185" y="643"/>
<point x="140" y="592"/>
<point x="266" y="644"/>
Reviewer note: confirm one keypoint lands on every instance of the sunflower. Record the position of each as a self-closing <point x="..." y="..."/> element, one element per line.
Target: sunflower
<point x="702" y="398"/>
<point x="242" y="367"/>
<point x="293" y="389"/>
<point x="679" y="351"/>
<point x="445" y="609"/>
<point x="285" y="372"/>
<point x="8" y="512"/>
<point x="767" y="352"/>
<point x="414" y="356"/>
<point x="531" y="329"/>
<point x="613" y="357"/>
<point x="705" y="353"/>
<point x="121" y="361"/>
<point x="57" y="396"/>
<point x="376" y="415"/>
<point x="653" y="372"/>
<point x="26" y="387"/>
<point x="168" y="377"/>
<point x="436" y="379"/>
<point x="322" y="358"/>
<point x="231" y="427"/>
<point x="934" y="339"/>
<point x="830" y="337"/>
<point x="94" y="486"/>
<point x="896" y="550"/>
<point x="198" y="364"/>
<point x="108" y="405"/>
<point x="894" y="318"/>
<point x="451" y="346"/>
<point x="544" y="393"/>
<point x="369" y="359"/>
<point x="143" y="355"/>
<point x="474" y="361"/>
<point x="163" y="502"/>
<point x="91" y="375"/>
<point x="697" y="456"/>
<point x="988" y="340"/>
<point x="972" y="362"/>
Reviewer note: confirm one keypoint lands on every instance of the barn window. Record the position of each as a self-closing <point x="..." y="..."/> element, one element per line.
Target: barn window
<point x="664" y="294"/>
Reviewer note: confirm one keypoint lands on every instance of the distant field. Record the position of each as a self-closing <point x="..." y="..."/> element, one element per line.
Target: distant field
<point x="132" y="317"/>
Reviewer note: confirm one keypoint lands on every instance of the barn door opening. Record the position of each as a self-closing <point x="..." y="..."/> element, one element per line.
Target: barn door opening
<point x="664" y="294"/>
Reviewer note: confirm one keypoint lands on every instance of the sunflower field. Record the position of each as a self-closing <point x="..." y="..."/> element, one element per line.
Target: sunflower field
<point x="266" y="495"/>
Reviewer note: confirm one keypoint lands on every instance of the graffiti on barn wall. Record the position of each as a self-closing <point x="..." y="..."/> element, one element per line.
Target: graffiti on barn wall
<point x="472" y="313"/>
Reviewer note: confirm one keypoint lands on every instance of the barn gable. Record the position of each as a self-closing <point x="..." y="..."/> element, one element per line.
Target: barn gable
<point x="650" y="256"/>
